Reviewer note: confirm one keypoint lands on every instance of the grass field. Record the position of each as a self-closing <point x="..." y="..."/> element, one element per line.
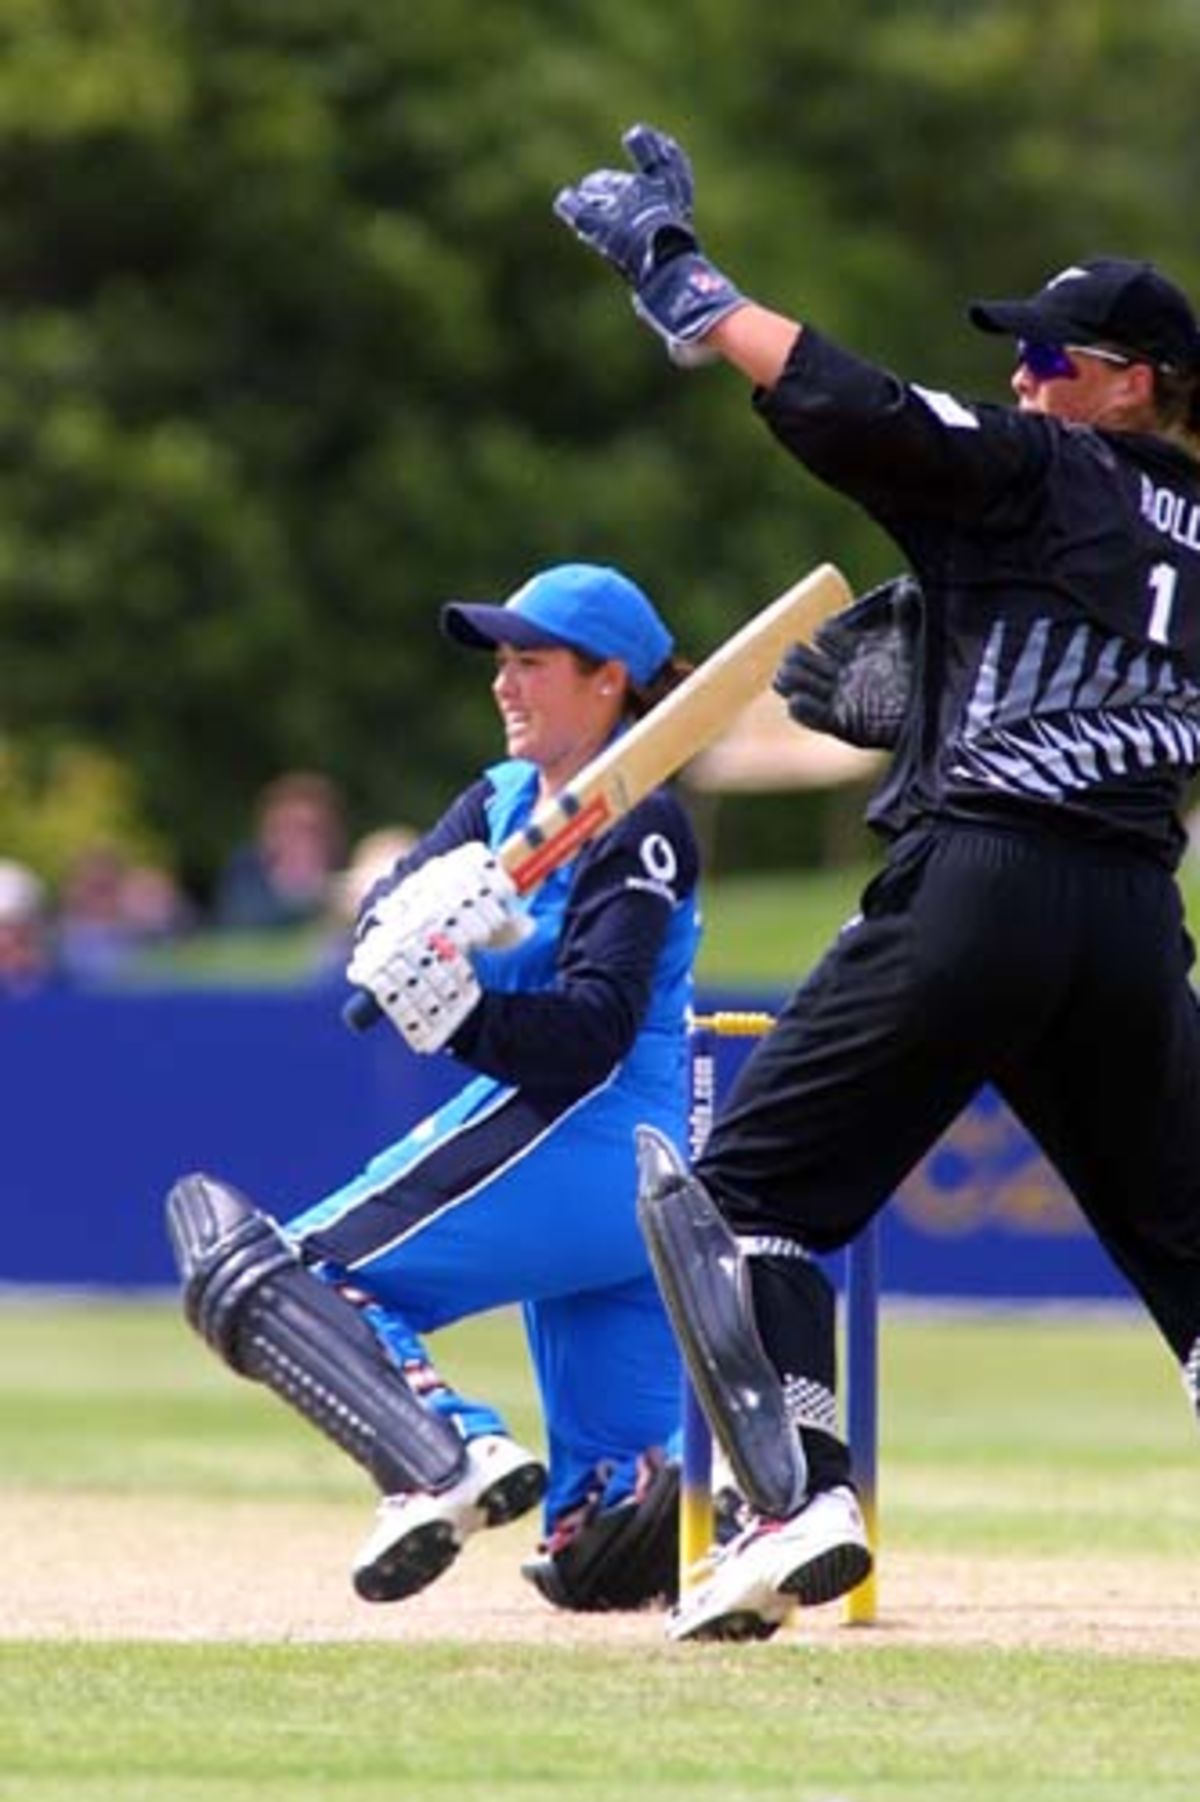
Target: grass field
<point x="762" y="930"/>
<point x="175" y="1621"/>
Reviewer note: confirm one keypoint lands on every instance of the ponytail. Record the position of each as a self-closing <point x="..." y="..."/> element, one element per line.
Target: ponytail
<point x="639" y="700"/>
<point x="1177" y="405"/>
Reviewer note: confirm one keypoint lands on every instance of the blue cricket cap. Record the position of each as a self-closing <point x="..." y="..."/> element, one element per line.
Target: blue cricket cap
<point x="585" y="606"/>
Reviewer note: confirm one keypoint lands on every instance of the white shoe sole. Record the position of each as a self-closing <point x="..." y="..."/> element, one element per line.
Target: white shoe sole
<point x="725" y="1608"/>
<point x="422" y="1551"/>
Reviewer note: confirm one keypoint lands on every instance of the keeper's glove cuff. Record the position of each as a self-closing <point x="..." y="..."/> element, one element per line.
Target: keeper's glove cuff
<point x="682" y="300"/>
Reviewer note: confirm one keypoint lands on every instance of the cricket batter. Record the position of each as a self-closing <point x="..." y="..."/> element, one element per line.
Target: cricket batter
<point x="567" y="1012"/>
<point x="1026" y="929"/>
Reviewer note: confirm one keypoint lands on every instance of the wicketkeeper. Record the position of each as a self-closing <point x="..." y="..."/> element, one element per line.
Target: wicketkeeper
<point x="1026" y="929"/>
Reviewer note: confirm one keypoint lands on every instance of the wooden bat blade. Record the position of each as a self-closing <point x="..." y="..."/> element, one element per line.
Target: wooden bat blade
<point x="672" y="733"/>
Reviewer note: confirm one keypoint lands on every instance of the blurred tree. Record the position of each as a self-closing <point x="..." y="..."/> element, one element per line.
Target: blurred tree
<point x="76" y="797"/>
<point x="293" y="349"/>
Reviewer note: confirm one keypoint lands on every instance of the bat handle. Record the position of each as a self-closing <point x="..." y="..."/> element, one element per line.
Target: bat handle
<point x="362" y="1011"/>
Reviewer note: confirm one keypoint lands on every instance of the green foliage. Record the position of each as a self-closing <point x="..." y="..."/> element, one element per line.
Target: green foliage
<point x="293" y="348"/>
<point x="75" y="797"/>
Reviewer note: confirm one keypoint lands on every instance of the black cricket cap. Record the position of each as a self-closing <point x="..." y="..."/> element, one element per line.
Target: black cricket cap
<point x="1104" y="301"/>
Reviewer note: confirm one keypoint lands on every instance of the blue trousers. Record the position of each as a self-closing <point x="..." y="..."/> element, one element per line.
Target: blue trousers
<point x="495" y="1200"/>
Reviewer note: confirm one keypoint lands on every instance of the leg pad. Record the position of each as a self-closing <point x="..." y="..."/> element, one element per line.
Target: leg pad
<point x="246" y="1292"/>
<point x="704" y="1282"/>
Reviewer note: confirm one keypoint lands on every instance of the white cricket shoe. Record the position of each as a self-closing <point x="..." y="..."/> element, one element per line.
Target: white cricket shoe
<point x="418" y="1535"/>
<point x="773" y="1566"/>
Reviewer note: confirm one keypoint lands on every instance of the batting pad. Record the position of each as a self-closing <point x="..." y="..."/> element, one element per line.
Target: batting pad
<point x="246" y="1292"/>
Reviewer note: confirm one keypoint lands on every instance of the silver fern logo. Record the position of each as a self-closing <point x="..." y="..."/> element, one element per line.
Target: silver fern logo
<point x="1067" y="715"/>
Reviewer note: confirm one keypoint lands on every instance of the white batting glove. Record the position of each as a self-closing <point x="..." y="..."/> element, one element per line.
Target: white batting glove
<point x="465" y="894"/>
<point x="470" y="898"/>
<point x="403" y="906"/>
<point x="422" y="981"/>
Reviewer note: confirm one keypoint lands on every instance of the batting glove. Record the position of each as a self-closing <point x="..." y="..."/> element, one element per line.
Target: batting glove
<point x="855" y="680"/>
<point x="642" y="224"/>
<point x="465" y="894"/>
<point x="396" y="908"/>
<point x="471" y="900"/>
<point x="423" y="982"/>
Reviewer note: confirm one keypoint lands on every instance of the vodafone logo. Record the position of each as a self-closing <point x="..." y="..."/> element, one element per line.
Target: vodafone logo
<point x="656" y="854"/>
<point x="658" y="858"/>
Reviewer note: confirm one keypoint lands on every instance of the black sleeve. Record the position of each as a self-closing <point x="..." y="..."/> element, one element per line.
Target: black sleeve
<point x="899" y="449"/>
<point x="626" y="887"/>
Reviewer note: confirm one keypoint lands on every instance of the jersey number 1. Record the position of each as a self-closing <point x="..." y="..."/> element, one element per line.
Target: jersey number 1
<point x="1164" y="579"/>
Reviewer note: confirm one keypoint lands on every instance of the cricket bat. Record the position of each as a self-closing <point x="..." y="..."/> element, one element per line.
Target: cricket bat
<point x="655" y="748"/>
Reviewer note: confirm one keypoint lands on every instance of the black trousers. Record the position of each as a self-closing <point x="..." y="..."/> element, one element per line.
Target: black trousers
<point x="1057" y="970"/>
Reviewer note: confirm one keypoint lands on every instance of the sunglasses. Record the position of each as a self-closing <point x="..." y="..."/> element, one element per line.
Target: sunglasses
<point x="1054" y="362"/>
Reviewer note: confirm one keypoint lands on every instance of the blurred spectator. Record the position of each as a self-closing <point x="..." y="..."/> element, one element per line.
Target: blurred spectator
<point x="111" y="910"/>
<point x="27" y="954"/>
<point x="155" y="906"/>
<point x="285" y="876"/>
<point x="372" y="856"/>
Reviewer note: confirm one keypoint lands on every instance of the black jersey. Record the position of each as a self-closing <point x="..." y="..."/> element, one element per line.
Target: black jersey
<point x="1059" y="675"/>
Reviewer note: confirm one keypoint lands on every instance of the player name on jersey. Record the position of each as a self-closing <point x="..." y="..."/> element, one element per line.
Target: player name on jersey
<point x="1171" y="513"/>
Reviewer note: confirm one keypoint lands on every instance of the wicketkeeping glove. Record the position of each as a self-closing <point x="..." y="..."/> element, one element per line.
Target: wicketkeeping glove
<point x="622" y="1557"/>
<point x="855" y="680"/>
<point x="641" y="223"/>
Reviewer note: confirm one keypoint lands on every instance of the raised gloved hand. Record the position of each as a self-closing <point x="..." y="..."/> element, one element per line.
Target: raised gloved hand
<point x="421" y="980"/>
<point x="855" y="680"/>
<point x="641" y="223"/>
